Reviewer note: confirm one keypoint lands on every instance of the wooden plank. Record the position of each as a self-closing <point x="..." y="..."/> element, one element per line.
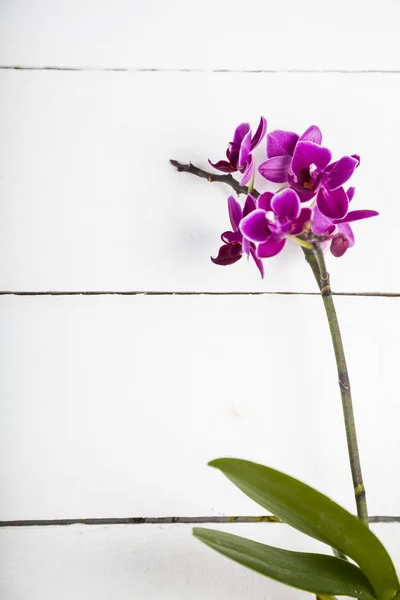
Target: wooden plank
<point x="213" y="35"/>
<point x="143" y="563"/>
<point x="112" y="406"/>
<point x="90" y="201"/>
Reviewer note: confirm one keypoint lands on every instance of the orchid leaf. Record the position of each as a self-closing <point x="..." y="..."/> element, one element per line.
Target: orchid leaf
<point x="316" y="515"/>
<point x="316" y="573"/>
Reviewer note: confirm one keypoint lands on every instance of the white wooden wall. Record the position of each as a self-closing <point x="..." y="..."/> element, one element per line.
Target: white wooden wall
<point x="111" y="405"/>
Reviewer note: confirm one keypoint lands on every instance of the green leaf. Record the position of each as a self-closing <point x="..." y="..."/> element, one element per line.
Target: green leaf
<point x="316" y="515"/>
<point x="316" y="573"/>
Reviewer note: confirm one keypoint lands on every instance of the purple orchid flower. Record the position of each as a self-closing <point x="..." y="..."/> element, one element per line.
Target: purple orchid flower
<point x="239" y="151"/>
<point x="280" y="148"/>
<point x="306" y="166"/>
<point x="276" y="217"/>
<point x="235" y="245"/>
<point x="338" y="232"/>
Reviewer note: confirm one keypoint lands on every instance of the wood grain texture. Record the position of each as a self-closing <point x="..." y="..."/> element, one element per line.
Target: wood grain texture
<point x="90" y="201"/>
<point x="112" y="406"/>
<point x="143" y="563"/>
<point x="176" y="34"/>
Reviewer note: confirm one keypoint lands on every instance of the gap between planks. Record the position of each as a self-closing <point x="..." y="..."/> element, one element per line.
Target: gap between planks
<point x="158" y="70"/>
<point x="159" y="293"/>
<point x="164" y="520"/>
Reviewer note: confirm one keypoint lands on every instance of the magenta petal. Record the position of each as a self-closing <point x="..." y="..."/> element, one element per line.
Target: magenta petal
<point x="259" y="134"/>
<point x="235" y="212"/>
<point x="286" y="204"/>
<point x="270" y="248"/>
<point x="357" y="215"/>
<point x="228" y="254"/>
<point x="276" y="169"/>
<point x="254" y="227"/>
<point x="307" y="154"/>
<point x="347" y="231"/>
<point x="298" y="224"/>
<point x="312" y="134"/>
<point x="333" y="204"/>
<point x="343" y="240"/>
<point x="280" y="143"/>
<point x="249" y="205"/>
<point x="304" y="193"/>
<point x="258" y="262"/>
<point x="264" y="201"/>
<point x="223" y="165"/>
<point x="350" y="193"/>
<point x="339" y="245"/>
<point x="248" y="172"/>
<point x="340" y="172"/>
<point x="240" y="132"/>
<point x="245" y="149"/>
<point x="246" y="245"/>
<point x="232" y="237"/>
<point x="320" y="223"/>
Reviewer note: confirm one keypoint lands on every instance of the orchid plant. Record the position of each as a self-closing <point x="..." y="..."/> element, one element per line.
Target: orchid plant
<point x="312" y="209"/>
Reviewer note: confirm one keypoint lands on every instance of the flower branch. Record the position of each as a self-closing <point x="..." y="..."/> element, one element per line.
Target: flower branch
<point x="311" y="209"/>
<point x="315" y="258"/>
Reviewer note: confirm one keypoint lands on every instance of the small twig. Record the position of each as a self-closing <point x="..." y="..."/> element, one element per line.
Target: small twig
<point x="228" y="179"/>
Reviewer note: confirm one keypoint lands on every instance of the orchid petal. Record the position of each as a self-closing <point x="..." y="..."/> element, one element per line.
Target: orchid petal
<point x="276" y="169"/>
<point x="258" y="262"/>
<point x="245" y="149"/>
<point x="246" y="245"/>
<point x="342" y="241"/>
<point x="249" y="205"/>
<point x="346" y="230"/>
<point x="254" y="227"/>
<point x="228" y="254"/>
<point x="333" y="204"/>
<point x="223" y="165"/>
<point x="232" y="237"/>
<point x="264" y="201"/>
<point x="357" y="215"/>
<point x="320" y="223"/>
<point x="303" y="218"/>
<point x="240" y="132"/>
<point x="309" y="153"/>
<point x="312" y="134"/>
<point x="340" y="172"/>
<point x="350" y="193"/>
<point x="304" y="193"/>
<point x="259" y="134"/>
<point x="235" y="212"/>
<point x="281" y="143"/>
<point x="270" y="248"/>
<point x="248" y="172"/>
<point x="286" y="204"/>
<point x="339" y="245"/>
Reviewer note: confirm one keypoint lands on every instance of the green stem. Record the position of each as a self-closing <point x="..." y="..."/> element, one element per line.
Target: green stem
<point x="317" y="263"/>
<point x="315" y="259"/>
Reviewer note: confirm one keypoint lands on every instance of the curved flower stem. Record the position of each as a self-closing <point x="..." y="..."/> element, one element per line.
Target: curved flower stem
<point x="315" y="259"/>
<point x="344" y="382"/>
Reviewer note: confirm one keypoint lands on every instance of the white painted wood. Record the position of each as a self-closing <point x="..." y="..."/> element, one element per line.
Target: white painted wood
<point x="174" y="34"/>
<point x="112" y="406"/>
<point x="90" y="201"/>
<point x="144" y="563"/>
